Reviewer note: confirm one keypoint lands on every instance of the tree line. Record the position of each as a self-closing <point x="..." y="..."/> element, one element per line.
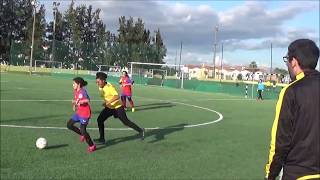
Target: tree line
<point x="81" y="38"/>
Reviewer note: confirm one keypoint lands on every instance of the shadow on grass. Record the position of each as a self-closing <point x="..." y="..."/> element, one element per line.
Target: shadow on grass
<point x="154" y="106"/>
<point x="56" y="146"/>
<point x="145" y="107"/>
<point x="158" y="134"/>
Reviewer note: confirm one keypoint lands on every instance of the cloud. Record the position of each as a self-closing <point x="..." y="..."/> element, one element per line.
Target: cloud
<point x="252" y="21"/>
<point x="250" y="26"/>
<point x="264" y="43"/>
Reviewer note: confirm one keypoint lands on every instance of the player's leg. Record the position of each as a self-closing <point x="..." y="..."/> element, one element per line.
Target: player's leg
<point x="83" y="130"/>
<point x="71" y="122"/>
<point x="104" y="115"/>
<point x="260" y="96"/>
<point x="124" y="119"/>
<point x="124" y="101"/>
<point x="131" y="102"/>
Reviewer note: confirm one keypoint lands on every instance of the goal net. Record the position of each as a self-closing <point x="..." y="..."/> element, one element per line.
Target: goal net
<point x="114" y="71"/>
<point x="156" y="74"/>
<point x="41" y="66"/>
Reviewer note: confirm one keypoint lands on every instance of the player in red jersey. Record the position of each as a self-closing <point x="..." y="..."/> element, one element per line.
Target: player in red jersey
<point x="126" y="90"/>
<point x="83" y="112"/>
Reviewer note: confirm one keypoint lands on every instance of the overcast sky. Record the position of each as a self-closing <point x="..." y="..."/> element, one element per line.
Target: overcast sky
<point x="246" y="28"/>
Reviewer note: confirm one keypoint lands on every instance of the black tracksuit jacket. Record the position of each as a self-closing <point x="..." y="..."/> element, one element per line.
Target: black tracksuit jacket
<point x="295" y="135"/>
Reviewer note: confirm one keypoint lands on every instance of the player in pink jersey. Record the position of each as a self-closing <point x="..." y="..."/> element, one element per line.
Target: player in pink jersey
<point x="82" y="113"/>
<point x="126" y="91"/>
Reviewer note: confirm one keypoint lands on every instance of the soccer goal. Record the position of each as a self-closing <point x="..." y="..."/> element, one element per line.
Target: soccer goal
<point x="156" y="74"/>
<point x="41" y="66"/>
<point x="108" y="69"/>
<point x="159" y="73"/>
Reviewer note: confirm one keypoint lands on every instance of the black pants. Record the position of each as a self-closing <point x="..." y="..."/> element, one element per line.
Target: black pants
<point x="260" y="94"/>
<point x="82" y="131"/>
<point x="116" y="113"/>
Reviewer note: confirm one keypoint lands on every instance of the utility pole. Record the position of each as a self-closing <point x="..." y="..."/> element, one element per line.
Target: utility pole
<point x="215" y="51"/>
<point x="175" y="61"/>
<point x="221" y="61"/>
<point x="34" y="4"/>
<point x="55" y="9"/>
<point x="271" y="62"/>
<point x="181" y="73"/>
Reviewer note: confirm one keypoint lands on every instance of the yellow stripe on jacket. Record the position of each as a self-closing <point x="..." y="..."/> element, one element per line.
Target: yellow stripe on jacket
<point x="315" y="176"/>
<point x="275" y="124"/>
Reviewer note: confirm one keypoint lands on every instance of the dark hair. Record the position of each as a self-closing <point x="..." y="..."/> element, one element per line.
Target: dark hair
<point x="126" y="73"/>
<point x="305" y="51"/>
<point x="81" y="81"/>
<point x="101" y="76"/>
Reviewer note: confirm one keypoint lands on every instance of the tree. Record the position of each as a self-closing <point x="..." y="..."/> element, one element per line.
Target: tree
<point x="160" y="49"/>
<point x="14" y="17"/>
<point x="253" y="65"/>
<point x="81" y="37"/>
<point x="101" y="38"/>
<point x="280" y="71"/>
<point x="40" y="29"/>
<point x="72" y="36"/>
<point x="135" y="44"/>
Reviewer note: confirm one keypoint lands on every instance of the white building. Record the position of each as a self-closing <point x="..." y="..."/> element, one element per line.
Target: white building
<point x="227" y="72"/>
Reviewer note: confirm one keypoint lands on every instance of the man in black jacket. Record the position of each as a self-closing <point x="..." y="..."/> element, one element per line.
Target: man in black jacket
<point x="295" y="135"/>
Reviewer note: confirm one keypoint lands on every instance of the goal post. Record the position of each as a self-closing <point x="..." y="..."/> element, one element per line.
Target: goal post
<point x="155" y="73"/>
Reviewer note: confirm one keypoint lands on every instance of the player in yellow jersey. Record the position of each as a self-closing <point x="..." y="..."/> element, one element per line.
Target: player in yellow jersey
<point x="112" y="107"/>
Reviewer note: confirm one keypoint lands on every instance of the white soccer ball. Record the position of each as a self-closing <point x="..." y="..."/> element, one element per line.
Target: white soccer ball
<point x="41" y="143"/>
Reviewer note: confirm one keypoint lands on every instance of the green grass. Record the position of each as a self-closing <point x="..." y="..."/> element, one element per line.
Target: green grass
<point x="234" y="148"/>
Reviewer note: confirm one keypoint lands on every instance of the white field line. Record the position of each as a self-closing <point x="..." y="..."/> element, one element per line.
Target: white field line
<point x="169" y="100"/>
<point x="187" y="126"/>
<point x="199" y="107"/>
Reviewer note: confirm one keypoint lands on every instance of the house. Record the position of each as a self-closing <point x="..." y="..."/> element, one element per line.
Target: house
<point x="230" y="72"/>
<point x="198" y="71"/>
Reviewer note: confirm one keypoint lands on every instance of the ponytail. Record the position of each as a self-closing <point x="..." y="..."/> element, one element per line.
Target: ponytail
<point x="81" y="81"/>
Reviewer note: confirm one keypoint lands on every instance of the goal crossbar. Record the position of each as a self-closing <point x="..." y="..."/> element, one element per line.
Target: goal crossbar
<point x="156" y="64"/>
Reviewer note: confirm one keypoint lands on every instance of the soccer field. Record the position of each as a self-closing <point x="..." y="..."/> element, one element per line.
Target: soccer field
<point x="189" y="134"/>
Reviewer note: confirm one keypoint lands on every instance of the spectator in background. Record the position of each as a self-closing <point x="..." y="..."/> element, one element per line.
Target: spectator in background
<point x="260" y="89"/>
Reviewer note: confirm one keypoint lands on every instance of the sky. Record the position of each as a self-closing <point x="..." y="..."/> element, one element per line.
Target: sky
<point x="245" y="28"/>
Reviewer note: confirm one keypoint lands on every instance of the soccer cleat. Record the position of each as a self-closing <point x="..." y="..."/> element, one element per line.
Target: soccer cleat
<point x="142" y="133"/>
<point x="82" y="138"/>
<point x="132" y="109"/>
<point x="92" y="148"/>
